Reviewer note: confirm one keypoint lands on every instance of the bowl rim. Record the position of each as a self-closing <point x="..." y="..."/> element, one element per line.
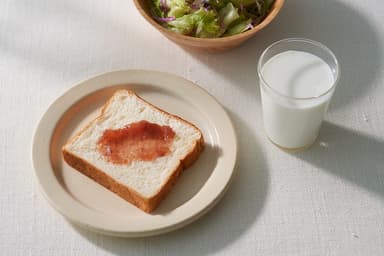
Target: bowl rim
<point x="275" y="9"/>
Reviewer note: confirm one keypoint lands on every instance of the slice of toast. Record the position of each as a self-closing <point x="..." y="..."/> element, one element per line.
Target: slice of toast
<point x="142" y="182"/>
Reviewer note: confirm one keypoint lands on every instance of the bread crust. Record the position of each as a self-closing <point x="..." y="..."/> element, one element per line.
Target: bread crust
<point x="146" y="204"/>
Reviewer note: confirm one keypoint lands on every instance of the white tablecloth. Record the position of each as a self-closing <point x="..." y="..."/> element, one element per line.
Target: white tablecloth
<point x="325" y="201"/>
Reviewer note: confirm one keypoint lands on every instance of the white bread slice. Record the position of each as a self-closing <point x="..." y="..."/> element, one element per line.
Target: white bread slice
<point x="143" y="183"/>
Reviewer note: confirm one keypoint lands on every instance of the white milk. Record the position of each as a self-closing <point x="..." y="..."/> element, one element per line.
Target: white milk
<point x="291" y="122"/>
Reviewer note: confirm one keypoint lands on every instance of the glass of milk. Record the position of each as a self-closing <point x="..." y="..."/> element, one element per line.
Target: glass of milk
<point x="297" y="79"/>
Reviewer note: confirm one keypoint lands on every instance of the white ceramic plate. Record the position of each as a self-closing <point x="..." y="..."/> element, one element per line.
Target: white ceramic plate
<point x="90" y="205"/>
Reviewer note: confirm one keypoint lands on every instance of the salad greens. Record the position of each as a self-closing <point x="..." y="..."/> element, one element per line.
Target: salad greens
<point x="210" y="18"/>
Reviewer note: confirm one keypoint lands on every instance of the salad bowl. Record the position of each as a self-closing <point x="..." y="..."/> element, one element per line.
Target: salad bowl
<point x="207" y="44"/>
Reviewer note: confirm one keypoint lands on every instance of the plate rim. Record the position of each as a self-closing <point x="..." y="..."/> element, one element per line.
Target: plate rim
<point x="86" y="87"/>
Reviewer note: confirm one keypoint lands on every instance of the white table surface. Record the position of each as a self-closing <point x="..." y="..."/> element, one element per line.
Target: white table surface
<point x="325" y="201"/>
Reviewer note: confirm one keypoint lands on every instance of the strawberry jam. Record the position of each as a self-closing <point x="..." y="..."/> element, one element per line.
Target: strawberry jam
<point x="137" y="141"/>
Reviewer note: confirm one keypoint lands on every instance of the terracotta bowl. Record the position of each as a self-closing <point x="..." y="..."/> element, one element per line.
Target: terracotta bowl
<point x="207" y="44"/>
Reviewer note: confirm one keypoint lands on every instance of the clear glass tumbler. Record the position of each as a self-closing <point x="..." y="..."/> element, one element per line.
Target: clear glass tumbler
<point x="297" y="79"/>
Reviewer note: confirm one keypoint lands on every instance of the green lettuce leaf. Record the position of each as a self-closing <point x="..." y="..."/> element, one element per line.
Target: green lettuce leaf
<point x="238" y="27"/>
<point x="183" y="25"/>
<point x="207" y="24"/>
<point x="201" y="23"/>
<point x="156" y="9"/>
<point x="228" y="14"/>
<point x="178" y="8"/>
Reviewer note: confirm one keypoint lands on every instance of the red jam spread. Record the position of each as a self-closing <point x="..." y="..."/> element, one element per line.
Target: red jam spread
<point x="137" y="141"/>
